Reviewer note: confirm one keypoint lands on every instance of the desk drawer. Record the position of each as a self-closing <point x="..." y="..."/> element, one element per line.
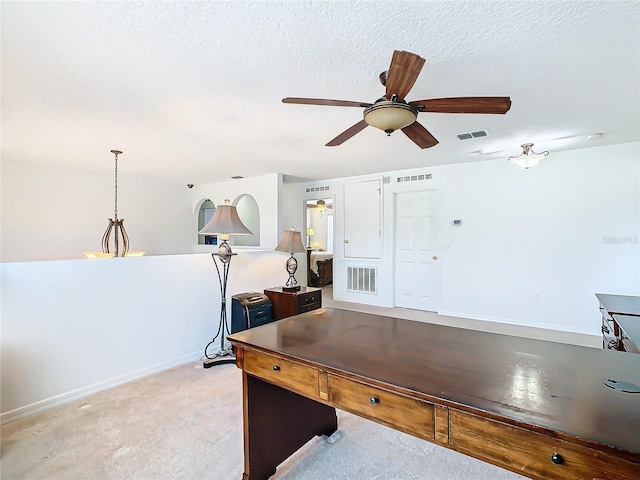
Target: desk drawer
<point x="397" y="411"/>
<point x="530" y="454"/>
<point x="309" y="301"/>
<point x="284" y="373"/>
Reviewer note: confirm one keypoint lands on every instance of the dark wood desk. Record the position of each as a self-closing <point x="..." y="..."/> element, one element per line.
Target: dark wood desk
<point x="537" y="408"/>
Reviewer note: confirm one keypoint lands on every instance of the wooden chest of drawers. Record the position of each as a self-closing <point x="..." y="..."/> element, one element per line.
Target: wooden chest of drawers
<point x="285" y="303"/>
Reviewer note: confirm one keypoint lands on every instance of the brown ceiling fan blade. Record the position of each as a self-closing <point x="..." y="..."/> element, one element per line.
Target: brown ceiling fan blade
<point x="347" y="134"/>
<point x="420" y="135"/>
<point x="465" y="105"/>
<point x="324" y="101"/>
<point x="403" y="72"/>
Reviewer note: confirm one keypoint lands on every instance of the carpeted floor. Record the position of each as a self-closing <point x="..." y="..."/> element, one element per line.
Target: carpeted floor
<point x="186" y="423"/>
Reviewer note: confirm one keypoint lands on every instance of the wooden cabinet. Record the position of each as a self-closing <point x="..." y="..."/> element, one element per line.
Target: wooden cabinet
<point x="285" y="303"/>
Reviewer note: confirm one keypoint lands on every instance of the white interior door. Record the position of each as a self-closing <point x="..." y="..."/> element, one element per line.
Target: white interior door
<point x="362" y="217"/>
<point x="417" y="251"/>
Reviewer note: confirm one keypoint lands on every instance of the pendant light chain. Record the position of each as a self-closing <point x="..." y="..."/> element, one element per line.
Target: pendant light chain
<point x="116" y="190"/>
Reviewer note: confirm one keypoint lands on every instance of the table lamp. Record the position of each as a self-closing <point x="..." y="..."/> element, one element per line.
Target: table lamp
<point x="225" y="222"/>
<point x="291" y="242"/>
<point x="309" y="235"/>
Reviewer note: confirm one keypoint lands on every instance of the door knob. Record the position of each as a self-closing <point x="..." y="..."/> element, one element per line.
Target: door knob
<point x="434" y="257"/>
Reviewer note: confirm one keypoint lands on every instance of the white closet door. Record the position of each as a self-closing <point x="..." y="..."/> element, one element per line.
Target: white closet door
<point x="362" y="218"/>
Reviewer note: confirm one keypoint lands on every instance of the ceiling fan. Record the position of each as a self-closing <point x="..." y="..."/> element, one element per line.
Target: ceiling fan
<point x="320" y="204"/>
<point x="392" y="112"/>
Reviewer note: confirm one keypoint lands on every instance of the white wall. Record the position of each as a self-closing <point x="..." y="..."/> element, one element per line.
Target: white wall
<point x="533" y="247"/>
<point x="71" y="328"/>
<point x="54" y="213"/>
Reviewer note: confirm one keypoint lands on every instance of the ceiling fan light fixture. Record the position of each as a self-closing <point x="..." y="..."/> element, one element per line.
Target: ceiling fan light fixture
<point x="528" y="158"/>
<point x="389" y="116"/>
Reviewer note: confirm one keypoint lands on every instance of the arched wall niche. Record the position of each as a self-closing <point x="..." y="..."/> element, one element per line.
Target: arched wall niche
<point x="205" y="211"/>
<point x="248" y="212"/>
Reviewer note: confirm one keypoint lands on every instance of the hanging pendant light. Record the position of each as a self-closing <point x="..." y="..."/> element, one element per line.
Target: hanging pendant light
<point x="116" y="226"/>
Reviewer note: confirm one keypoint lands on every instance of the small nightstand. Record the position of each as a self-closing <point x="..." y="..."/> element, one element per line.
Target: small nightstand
<point x="288" y="303"/>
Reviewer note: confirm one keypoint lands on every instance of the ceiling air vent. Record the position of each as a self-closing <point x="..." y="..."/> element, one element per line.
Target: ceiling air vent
<point x="475" y="134"/>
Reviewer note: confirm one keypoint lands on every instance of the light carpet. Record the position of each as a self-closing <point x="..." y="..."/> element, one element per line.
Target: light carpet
<point x="186" y="423"/>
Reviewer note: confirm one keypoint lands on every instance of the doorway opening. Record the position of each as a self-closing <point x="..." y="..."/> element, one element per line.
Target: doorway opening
<point x="319" y="224"/>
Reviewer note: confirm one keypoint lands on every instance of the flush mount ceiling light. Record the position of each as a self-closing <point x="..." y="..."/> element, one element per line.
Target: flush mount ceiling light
<point x="528" y="158"/>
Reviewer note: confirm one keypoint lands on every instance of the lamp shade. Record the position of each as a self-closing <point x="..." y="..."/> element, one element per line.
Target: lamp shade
<point x="310" y="232"/>
<point x="225" y="221"/>
<point x="390" y="116"/>
<point x="291" y="242"/>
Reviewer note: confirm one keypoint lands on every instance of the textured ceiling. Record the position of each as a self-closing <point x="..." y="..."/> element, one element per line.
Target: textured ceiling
<point x="192" y="90"/>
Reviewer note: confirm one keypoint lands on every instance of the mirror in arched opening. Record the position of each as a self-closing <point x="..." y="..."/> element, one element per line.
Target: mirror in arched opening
<point x="249" y="213"/>
<point x="319" y="235"/>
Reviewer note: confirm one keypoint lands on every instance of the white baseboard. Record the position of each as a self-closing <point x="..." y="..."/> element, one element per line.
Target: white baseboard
<point x="66" y="397"/>
<point x="542" y="331"/>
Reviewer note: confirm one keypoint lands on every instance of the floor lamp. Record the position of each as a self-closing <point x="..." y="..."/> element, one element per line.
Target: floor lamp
<point x="225" y="222"/>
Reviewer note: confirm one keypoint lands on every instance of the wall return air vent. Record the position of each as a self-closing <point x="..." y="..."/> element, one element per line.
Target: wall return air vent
<point x="414" y="178"/>
<point x="361" y="279"/>
<point x="474" y="134"/>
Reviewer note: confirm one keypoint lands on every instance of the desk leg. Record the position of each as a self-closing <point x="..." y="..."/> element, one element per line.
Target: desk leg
<point x="278" y="422"/>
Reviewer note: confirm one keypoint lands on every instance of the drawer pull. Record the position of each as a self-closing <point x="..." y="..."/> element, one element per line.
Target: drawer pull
<point x="276" y="368"/>
<point x="557" y="458"/>
<point x="374" y="400"/>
